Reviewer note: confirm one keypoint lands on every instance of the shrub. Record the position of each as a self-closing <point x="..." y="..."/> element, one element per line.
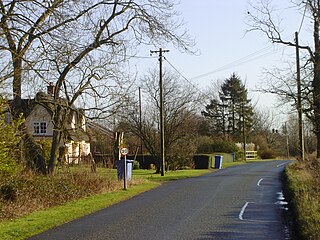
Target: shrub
<point x="8" y="193"/>
<point x="217" y="145"/>
<point x="9" y="140"/>
<point x="45" y="145"/>
<point x="179" y="161"/>
<point x="27" y="192"/>
<point x="179" y="156"/>
<point x="267" y="154"/>
<point x="136" y="165"/>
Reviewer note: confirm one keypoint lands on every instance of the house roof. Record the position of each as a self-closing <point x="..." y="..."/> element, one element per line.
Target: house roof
<point x="77" y="134"/>
<point x="97" y="127"/>
<point x="26" y="106"/>
<point x="46" y="100"/>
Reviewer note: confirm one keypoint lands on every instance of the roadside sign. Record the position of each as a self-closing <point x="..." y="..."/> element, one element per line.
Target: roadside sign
<point x="124" y="151"/>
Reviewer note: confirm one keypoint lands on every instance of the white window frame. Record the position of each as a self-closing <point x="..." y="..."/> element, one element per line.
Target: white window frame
<point x="40" y="128"/>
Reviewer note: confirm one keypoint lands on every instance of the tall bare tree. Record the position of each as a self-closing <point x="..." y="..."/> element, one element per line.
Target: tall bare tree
<point x="262" y="17"/>
<point x="80" y="45"/>
<point x="181" y="106"/>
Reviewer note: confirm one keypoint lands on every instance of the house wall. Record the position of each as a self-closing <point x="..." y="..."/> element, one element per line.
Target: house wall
<point x="73" y="121"/>
<point x="76" y="150"/>
<point x="39" y="114"/>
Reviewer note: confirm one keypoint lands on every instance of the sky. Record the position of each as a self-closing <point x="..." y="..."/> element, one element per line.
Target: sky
<point x="219" y="28"/>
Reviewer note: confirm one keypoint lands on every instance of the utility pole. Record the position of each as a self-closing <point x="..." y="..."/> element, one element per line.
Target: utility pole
<point x="140" y="119"/>
<point x="244" y="134"/>
<point x="299" y="105"/>
<point x="162" y="149"/>
<point x="287" y="138"/>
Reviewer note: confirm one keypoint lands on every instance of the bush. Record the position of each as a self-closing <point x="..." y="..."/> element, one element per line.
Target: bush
<point x="136" y="165"/>
<point x="8" y="193"/>
<point x="25" y="193"/>
<point x="9" y="140"/>
<point x="217" y="145"/>
<point x="45" y="145"/>
<point x="267" y="154"/>
<point x="179" y="162"/>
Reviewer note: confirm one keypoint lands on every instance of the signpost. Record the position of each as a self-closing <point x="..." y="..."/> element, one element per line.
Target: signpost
<point x="124" y="151"/>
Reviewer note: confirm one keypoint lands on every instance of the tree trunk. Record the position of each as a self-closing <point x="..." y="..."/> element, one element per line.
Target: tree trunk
<point x="58" y="124"/>
<point x="54" y="150"/>
<point x="33" y="154"/>
<point x="17" y="80"/>
<point x="316" y="96"/>
<point x="316" y="83"/>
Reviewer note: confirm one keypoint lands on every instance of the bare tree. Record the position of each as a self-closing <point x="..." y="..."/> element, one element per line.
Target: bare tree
<point x="263" y="123"/>
<point x="262" y="17"/>
<point x="80" y="45"/>
<point x="181" y="103"/>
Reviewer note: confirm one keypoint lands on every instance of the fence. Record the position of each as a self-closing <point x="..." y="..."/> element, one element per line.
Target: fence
<point x="250" y="155"/>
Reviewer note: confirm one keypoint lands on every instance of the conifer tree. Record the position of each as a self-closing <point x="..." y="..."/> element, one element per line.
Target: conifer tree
<point x="231" y="114"/>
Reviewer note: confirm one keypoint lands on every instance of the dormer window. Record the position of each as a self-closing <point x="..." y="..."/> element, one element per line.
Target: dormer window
<point x="40" y="128"/>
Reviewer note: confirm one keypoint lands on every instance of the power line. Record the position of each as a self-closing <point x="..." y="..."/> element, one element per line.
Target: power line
<point x="131" y="56"/>
<point x="302" y="20"/>
<point x="186" y="79"/>
<point x="238" y="62"/>
<point x="251" y="57"/>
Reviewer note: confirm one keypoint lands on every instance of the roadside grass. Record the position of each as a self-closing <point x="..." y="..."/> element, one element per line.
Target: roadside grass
<point x="231" y="164"/>
<point x="236" y="163"/>
<point x="42" y="220"/>
<point x="303" y="184"/>
<point x="169" y="175"/>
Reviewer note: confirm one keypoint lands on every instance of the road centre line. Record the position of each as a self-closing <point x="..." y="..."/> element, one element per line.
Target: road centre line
<point x="242" y="210"/>
<point x="258" y="184"/>
<point x="279" y="165"/>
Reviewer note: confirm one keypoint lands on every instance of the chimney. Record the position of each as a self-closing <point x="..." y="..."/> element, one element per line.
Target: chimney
<point x="50" y="89"/>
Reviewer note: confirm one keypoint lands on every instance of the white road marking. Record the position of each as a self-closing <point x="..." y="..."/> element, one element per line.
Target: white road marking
<point x="279" y="165"/>
<point x="242" y="210"/>
<point x="258" y="184"/>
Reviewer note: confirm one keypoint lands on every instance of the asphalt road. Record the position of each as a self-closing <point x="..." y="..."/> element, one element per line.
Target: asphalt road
<point x="242" y="202"/>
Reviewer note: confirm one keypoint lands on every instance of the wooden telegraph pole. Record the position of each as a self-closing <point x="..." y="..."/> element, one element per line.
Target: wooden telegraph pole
<point x="140" y="120"/>
<point x="162" y="148"/>
<point x="244" y="134"/>
<point x="299" y="105"/>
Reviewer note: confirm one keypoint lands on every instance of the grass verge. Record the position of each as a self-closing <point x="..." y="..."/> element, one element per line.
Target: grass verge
<point x="303" y="185"/>
<point x="170" y="175"/>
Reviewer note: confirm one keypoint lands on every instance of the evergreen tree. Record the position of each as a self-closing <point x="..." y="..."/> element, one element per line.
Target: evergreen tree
<point x="231" y="115"/>
<point x="215" y="111"/>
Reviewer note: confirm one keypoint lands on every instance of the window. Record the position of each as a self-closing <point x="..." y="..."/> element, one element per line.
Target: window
<point x="40" y="127"/>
